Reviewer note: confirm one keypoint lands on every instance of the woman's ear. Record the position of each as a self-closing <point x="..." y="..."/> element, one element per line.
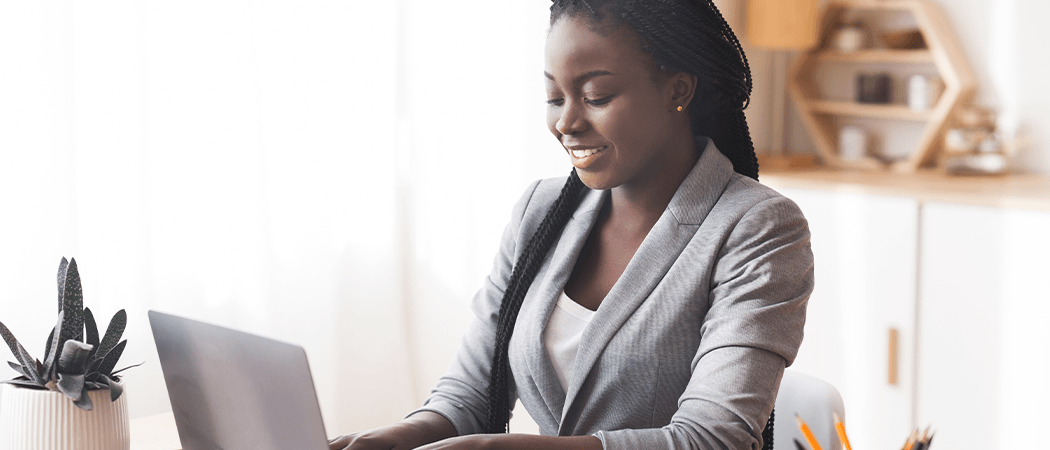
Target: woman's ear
<point x="683" y="87"/>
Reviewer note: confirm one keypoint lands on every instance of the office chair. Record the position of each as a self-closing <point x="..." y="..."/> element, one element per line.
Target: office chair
<point x="814" y="400"/>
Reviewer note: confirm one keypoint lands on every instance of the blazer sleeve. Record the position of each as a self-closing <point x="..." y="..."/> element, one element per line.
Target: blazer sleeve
<point x="760" y="286"/>
<point x="461" y="395"/>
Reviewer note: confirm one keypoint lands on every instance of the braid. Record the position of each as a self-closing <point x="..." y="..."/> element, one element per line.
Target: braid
<point x="521" y="278"/>
<point x="690" y="36"/>
<point x="767" y="432"/>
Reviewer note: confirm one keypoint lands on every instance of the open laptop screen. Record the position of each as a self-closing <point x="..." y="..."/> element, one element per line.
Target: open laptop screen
<point x="232" y="390"/>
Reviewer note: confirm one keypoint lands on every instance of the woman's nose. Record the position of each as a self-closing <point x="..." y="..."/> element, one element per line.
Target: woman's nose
<point x="571" y="120"/>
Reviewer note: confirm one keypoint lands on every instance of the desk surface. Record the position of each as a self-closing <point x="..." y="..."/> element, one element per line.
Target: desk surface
<point x="1008" y="191"/>
<point x="155" y="433"/>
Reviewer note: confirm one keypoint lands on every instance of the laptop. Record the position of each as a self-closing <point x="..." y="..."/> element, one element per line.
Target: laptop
<point x="231" y="390"/>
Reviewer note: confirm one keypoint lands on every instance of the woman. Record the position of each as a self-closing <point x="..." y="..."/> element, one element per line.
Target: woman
<point x="653" y="298"/>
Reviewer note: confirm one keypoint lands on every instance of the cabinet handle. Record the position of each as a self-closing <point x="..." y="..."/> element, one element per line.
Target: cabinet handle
<point x="892" y="365"/>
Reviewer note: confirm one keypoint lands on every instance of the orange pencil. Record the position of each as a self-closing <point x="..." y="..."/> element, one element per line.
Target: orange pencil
<point x="813" y="444"/>
<point x="911" y="440"/>
<point x="841" y="429"/>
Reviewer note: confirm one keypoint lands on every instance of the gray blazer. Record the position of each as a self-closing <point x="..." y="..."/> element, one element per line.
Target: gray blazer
<point x="688" y="348"/>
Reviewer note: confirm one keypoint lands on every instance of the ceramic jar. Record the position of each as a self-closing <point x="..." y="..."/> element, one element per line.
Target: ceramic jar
<point x="853" y="143"/>
<point x="849" y="38"/>
<point x="48" y="420"/>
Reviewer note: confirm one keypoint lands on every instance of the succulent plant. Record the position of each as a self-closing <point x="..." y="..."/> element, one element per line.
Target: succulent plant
<point x="76" y="360"/>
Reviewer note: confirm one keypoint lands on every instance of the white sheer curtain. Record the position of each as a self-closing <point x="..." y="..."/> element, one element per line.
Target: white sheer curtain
<point x="332" y="173"/>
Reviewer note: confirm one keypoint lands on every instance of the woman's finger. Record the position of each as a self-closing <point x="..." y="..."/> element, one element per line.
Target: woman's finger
<point x="458" y="443"/>
<point x="340" y="442"/>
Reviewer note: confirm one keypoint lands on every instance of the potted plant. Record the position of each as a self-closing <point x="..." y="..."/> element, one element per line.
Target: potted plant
<point x="73" y="398"/>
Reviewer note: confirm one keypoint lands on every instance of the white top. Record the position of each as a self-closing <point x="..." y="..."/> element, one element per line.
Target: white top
<point x="562" y="336"/>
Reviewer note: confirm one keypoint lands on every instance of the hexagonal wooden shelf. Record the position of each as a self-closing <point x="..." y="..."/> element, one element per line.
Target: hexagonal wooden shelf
<point x="942" y="51"/>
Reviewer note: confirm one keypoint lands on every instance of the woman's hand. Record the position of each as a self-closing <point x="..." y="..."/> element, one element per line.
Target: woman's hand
<point x="375" y="439"/>
<point x="419" y="429"/>
<point x="516" y="442"/>
<point x="424" y="428"/>
<point x="472" y="442"/>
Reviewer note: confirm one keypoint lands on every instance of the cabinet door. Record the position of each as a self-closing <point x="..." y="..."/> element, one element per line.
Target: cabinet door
<point x="985" y="337"/>
<point x="865" y="249"/>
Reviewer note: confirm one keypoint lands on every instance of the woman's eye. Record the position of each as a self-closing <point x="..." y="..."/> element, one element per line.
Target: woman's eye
<point x="555" y="101"/>
<point x="599" y="101"/>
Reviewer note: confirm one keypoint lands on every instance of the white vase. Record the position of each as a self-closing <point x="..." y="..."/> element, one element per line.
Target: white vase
<point x="47" y="420"/>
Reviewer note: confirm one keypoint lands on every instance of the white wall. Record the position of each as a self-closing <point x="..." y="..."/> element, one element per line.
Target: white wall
<point x="331" y="173"/>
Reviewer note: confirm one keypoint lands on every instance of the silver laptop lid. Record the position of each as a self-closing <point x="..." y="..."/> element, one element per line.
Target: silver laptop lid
<point x="231" y="390"/>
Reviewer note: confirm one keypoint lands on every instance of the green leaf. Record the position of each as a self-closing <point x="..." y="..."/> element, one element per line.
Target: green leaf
<point x="22" y="382"/>
<point x="110" y="361"/>
<point x="113" y="333"/>
<point x="72" y="305"/>
<point x="126" y="368"/>
<point x="71" y="385"/>
<point x="51" y="338"/>
<point x="62" y="281"/>
<point x="90" y="328"/>
<point x="84" y="402"/>
<point x="20" y="354"/>
<point x="115" y="389"/>
<point x="52" y="349"/>
<point x="30" y="368"/>
<point x="75" y="358"/>
<point x="17" y="367"/>
<point x="96" y="362"/>
<point x="11" y="341"/>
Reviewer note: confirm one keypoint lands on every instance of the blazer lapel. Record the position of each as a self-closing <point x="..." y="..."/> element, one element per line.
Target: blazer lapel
<point x="672" y="232"/>
<point x="543" y="296"/>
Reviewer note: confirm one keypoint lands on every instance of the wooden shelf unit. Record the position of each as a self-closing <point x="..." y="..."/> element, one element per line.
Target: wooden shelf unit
<point x="871" y="110"/>
<point x="877" y="56"/>
<point x="943" y="53"/>
<point x="873" y="5"/>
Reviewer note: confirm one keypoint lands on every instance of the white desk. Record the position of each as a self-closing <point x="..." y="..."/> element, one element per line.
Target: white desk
<point x="155" y="433"/>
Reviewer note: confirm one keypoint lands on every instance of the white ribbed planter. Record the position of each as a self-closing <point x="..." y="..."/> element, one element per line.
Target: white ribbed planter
<point x="47" y="420"/>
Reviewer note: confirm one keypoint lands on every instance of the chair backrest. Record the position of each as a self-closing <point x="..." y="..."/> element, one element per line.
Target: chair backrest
<point x="812" y="399"/>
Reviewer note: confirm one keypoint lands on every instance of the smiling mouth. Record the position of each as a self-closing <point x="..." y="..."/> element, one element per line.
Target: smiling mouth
<point x="583" y="153"/>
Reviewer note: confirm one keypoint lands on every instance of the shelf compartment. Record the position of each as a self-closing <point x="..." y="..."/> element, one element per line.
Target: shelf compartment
<point x="878" y="56"/>
<point x="943" y="55"/>
<point x="875" y="111"/>
<point x="873" y="5"/>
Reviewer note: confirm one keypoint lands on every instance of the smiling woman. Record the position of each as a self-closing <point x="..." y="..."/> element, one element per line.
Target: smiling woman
<point x="619" y="122"/>
<point x="652" y="298"/>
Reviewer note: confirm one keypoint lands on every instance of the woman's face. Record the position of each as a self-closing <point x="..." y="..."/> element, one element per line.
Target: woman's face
<point x="604" y="106"/>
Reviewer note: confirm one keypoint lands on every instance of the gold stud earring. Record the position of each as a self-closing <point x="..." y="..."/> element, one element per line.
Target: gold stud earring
<point x="679" y="109"/>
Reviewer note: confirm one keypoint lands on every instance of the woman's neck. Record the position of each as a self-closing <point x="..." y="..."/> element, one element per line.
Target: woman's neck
<point x="638" y="205"/>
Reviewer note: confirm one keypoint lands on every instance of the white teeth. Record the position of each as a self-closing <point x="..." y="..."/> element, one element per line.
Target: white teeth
<point x="587" y="152"/>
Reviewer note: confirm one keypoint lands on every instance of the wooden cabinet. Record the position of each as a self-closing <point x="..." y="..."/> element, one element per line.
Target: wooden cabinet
<point x="963" y="285"/>
<point x="985" y="339"/>
<point x="865" y="262"/>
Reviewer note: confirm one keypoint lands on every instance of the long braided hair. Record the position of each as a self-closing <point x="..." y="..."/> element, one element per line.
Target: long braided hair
<point x="520" y="279"/>
<point x="682" y="35"/>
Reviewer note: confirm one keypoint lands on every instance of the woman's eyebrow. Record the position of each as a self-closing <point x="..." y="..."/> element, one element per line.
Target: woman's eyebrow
<point x="584" y="77"/>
